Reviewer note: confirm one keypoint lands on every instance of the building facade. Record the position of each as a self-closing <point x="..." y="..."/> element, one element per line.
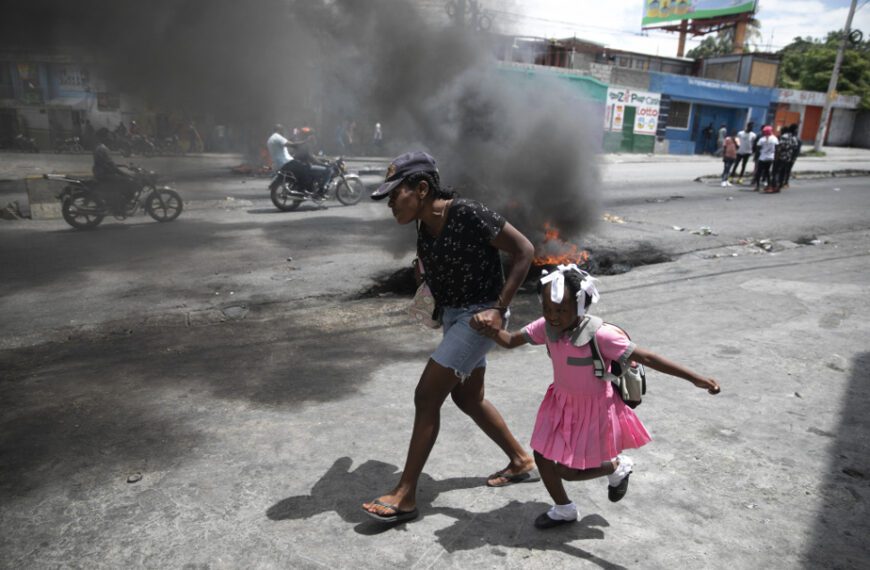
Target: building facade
<point x="805" y="109"/>
<point x="699" y="107"/>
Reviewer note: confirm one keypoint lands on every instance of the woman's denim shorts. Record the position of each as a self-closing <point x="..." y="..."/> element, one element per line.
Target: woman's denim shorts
<point x="462" y="349"/>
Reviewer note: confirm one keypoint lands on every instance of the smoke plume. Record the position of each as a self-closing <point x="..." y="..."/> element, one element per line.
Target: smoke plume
<point x="524" y="146"/>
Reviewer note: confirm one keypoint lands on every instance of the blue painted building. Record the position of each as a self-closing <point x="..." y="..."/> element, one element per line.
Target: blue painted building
<point x="697" y="103"/>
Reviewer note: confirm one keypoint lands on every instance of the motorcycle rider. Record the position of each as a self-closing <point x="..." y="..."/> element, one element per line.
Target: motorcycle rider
<point x="109" y="175"/>
<point x="277" y="144"/>
<point x="302" y="164"/>
<point x="309" y="166"/>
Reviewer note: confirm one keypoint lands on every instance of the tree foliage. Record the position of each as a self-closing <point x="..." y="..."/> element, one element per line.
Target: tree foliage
<point x="722" y="43"/>
<point x="807" y="63"/>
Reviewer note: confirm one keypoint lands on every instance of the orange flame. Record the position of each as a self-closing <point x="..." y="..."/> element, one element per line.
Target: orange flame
<point x="554" y="250"/>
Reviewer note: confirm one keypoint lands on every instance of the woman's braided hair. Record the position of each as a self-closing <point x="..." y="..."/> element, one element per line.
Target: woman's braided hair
<point x="434" y="182"/>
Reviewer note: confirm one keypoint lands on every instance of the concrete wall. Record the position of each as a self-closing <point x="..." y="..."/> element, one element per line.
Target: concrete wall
<point x="842" y="127"/>
<point x="629" y="78"/>
<point x="861" y="133"/>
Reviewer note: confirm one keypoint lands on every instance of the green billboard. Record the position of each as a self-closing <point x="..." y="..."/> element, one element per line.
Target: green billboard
<point x="662" y="11"/>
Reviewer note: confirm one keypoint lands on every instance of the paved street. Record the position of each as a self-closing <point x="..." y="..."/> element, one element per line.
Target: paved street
<point x="230" y="359"/>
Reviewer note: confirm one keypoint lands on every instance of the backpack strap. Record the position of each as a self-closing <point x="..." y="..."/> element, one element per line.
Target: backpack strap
<point x="597" y="362"/>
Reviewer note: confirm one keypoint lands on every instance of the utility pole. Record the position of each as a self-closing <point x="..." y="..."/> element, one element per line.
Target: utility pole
<point x="460" y="13"/>
<point x="681" y="47"/>
<point x="832" y="85"/>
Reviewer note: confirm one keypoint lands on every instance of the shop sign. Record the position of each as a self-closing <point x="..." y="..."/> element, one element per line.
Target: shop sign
<point x="31" y="90"/>
<point x="72" y="78"/>
<point x="646" y="110"/>
<point x="815" y="98"/>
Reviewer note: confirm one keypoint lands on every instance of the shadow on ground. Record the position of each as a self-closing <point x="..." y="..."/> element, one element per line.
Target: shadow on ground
<point x="122" y="401"/>
<point x="340" y="491"/>
<point x="839" y="538"/>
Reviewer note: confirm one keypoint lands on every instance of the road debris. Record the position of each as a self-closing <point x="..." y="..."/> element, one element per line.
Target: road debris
<point x="704" y="231"/>
<point x="613" y="219"/>
<point x="134" y="478"/>
<point x="678" y="228"/>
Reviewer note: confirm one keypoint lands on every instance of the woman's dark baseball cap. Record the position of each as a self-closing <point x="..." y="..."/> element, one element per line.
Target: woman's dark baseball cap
<point x="401" y="167"/>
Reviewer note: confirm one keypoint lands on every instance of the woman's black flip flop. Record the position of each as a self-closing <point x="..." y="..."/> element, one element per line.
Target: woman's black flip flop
<point x="397" y="516"/>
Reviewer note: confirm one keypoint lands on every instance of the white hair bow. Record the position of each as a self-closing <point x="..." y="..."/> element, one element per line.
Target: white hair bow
<point x="556" y="279"/>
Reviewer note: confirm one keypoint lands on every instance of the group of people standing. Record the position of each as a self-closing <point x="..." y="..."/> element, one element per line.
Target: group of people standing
<point x="774" y="156"/>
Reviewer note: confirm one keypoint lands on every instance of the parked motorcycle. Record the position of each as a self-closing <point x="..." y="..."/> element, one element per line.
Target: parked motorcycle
<point x="25" y="144"/>
<point x="288" y="193"/>
<point x="72" y="144"/>
<point x="85" y="202"/>
<point x="170" y="145"/>
<point x="137" y="144"/>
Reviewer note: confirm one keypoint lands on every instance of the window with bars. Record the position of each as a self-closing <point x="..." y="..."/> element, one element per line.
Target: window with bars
<point x="679" y="115"/>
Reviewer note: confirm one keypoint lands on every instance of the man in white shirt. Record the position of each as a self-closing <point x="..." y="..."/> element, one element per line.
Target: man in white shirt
<point x="745" y="144"/>
<point x="766" y="153"/>
<point x="277" y="145"/>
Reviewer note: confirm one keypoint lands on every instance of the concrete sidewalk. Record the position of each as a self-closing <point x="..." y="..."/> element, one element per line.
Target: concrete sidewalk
<point x="256" y="440"/>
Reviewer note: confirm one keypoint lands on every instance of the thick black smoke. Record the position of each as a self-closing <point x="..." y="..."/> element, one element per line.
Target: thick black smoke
<point x="525" y="147"/>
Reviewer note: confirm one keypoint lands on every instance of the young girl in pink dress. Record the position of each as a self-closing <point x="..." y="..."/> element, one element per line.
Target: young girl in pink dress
<point x="583" y="425"/>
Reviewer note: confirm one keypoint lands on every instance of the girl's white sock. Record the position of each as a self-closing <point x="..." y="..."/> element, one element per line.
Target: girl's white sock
<point x="563" y="512"/>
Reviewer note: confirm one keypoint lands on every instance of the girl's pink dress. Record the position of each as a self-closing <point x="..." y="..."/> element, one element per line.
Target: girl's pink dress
<point x="582" y="422"/>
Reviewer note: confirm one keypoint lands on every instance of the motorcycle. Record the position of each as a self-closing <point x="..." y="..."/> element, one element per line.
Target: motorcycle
<point x="85" y="202"/>
<point x="25" y="144"/>
<point x="137" y="144"/>
<point x="72" y="144"/>
<point x="170" y="145"/>
<point x="288" y="193"/>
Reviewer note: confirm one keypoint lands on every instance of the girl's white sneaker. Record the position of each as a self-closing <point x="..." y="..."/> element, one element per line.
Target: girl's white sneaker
<point x="617" y="482"/>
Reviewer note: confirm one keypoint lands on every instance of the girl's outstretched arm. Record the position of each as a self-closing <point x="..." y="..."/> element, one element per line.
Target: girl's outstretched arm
<point x="662" y="364"/>
<point x="506" y="339"/>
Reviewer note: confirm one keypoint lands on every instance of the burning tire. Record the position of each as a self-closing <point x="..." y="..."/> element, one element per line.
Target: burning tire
<point x="164" y="205"/>
<point x="82" y="211"/>
<point x="284" y="199"/>
<point x="350" y="192"/>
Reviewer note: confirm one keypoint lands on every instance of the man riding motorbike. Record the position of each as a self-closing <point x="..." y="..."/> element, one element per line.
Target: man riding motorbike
<point x="303" y="164"/>
<point x="109" y="175"/>
<point x="310" y="167"/>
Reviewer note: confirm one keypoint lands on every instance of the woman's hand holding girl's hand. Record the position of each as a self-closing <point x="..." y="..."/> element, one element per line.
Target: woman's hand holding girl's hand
<point x="487" y="322"/>
<point x="708" y="384"/>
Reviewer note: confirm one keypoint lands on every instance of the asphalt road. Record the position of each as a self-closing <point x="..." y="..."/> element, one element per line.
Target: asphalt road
<point x="226" y="360"/>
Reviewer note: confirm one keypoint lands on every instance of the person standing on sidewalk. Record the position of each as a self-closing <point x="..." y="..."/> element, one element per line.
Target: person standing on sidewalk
<point x="746" y="143"/>
<point x="458" y="244"/>
<point x="729" y="157"/>
<point x="766" y="153"/>
<point x="720" y="138"/>
<point x="782" y="159"/>
<point x="796" y="151"/>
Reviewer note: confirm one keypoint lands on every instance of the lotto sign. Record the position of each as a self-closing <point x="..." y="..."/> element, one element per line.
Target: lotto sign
<point x="646" y="109"/>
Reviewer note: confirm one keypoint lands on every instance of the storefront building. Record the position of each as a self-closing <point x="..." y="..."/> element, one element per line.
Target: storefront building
<point x="50" y="98"/>
<point x="805" y="109"/>
<point x="697" y="107"/>
<point x="630" y="120"/>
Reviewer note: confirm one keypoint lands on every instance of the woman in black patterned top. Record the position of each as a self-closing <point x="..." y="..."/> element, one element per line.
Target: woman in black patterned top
<point x="458" y="245"/>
